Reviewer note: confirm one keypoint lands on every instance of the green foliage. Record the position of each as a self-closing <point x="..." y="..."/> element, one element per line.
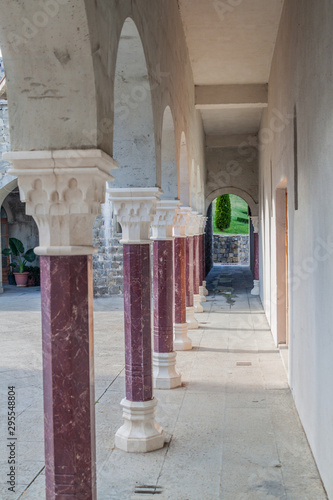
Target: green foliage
<point x="243" y="220"/>
<point x="239" y="209"/>
<point x="35" y="273"/>
<point x="16" y="250"/>
<point x="223" y="212"/>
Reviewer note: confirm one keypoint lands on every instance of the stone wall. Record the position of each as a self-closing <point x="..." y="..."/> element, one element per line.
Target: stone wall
<point x="234" y="249"/>
<point x="108" y="261"/>
<point x="4" y="137"/>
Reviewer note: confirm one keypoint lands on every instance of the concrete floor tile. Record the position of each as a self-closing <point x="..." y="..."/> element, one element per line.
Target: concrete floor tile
<point x="232" y="429"/>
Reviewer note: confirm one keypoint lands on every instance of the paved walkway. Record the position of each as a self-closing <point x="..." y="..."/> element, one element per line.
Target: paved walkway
<point x="232" y="430"/>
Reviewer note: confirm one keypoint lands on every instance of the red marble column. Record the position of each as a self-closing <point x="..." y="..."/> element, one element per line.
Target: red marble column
<point x="68" y="376"/>
<point x="165" y="375"/>
<point x="203" y="258"/>
<point x="191" y="320"/>
<point x="256" y="255"/>
<point x="180" y="280"/>
<point x="138" y="356"/>
<point x="163" y="295"/>
<point x="189" y="271"/>
<point x="196" y="264"/>
<point x="135" y="209"/>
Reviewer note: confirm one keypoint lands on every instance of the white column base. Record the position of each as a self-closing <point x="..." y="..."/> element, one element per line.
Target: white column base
<point x="202" y="294"/>
<point x="140" y="433"/>
<point x="191" y="321"/>
<point x="196" y="302"/>
<point x="165" y="375"/>
<point x="255" y="289"/>
<point x="205" y="289"/>
<point x="1" y="289"/>
<point x="181" y="342"/>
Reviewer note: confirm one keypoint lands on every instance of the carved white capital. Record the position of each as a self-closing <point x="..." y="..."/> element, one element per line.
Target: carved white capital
<point x="255" y="223"/>
<point x="164" y="219"/>
<point x="63" y="191"/>
<point x="197" y="225"/>
<point x="135" y="209"/>
<point x="182" y="219"/>
<point x="191" y="225"/>
<point x="203" y="224"/>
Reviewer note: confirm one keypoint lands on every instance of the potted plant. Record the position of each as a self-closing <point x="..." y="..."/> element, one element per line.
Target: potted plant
<point x="34" y="275"/>
<point x="20" y="257"/>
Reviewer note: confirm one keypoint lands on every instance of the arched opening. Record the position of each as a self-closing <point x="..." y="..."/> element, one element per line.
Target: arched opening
<point x="134" y="137"/>
<point x="15" y="224"/>
<point x="133" y="149"/>
<point x="169" y="157"/>
<point x="230" y="216"/>
<point x="229" y="246"/>
<point x="183" y="174"/>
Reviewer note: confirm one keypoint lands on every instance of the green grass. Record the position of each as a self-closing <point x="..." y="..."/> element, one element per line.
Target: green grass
<point x="238" y="210"/>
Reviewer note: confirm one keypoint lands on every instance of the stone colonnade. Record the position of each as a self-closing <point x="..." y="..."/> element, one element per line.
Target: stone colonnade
<point x="63" y="191"/>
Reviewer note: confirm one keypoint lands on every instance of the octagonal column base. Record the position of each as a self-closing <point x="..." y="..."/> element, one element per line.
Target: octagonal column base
<point x="204" y="287"/>
<point x="196" y="302"/>
<point x="190" y="318"/>
<point x="164" y="371"/>
<point x="140" y="433"/>
<point x="255" y="289"/>
<point x="202" y="294"/>
<point x="181" y="341"/>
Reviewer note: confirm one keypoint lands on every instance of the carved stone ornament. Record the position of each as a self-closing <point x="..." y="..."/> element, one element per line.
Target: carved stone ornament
<point x="164" y="219"/>
<point x="197" y="225"/>
<point x="191" y="225"/>
<point x="182" y="219"/>
<point x="255" y="223"/>
<point x="135" y="209"/>
<point x="63" y="191"/>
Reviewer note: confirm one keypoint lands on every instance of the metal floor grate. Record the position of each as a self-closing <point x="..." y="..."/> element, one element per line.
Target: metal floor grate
<point x="148" y="489"/>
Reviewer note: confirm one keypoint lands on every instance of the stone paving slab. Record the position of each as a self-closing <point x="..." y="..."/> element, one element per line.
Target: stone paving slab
<point x="232" y="430"/>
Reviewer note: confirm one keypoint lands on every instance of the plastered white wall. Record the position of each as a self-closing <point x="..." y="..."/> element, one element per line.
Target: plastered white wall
<point x="301" y="79"/>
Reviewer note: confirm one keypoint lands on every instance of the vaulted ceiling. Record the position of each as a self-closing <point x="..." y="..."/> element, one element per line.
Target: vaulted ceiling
<point x="231" y="45"/>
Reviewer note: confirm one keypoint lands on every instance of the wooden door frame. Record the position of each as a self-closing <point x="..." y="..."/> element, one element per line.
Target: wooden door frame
<point x="282" y="299"/>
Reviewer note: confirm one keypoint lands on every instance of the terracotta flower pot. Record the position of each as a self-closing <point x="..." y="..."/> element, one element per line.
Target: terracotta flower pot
<point x="21" y="278"/>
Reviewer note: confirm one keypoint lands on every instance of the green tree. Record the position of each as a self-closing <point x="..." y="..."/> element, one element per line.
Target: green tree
<point x="223" y="212"/>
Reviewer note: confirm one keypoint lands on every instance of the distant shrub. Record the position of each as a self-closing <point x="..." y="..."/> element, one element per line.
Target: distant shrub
<point x="223" y="212"/>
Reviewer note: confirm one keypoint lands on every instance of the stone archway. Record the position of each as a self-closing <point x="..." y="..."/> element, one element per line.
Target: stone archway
<point x="254" y="207"/>
<point x="183" y="172"/>
<point x="169" y="157"/>
<point x="134" y="135"/>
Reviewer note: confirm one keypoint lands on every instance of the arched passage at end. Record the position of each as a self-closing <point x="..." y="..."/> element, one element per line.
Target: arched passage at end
<point x="134" y="136"/>
<point x="169" y="157"/>
<point x="254" y="207"/>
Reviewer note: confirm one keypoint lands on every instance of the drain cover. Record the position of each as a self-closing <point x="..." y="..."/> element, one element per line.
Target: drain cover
<point x="148" y="489"/>
<point x="244" y="363"/>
